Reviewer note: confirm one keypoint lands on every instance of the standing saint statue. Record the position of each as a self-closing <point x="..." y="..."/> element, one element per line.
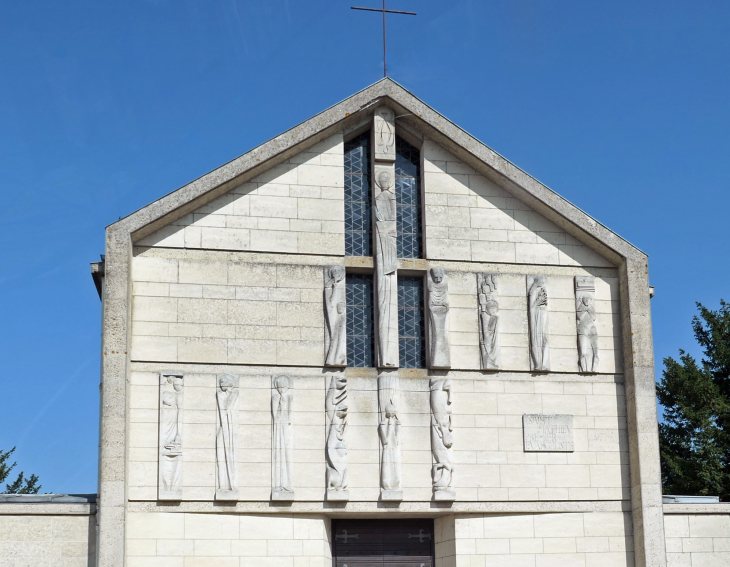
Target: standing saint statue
<point x="438" y="319"/>
<point x="488" y="321"/>
<point x="386" y="263"/>
<point x="226" y="397"/>
<point x="336" y="444"/>
<point x="335" y="343"/>
<point x="585" y="314"/>
<point x="389" y="433"/>
<point x="170" y="436"/>
<point x="281" y="442"/>
<point x="537" y="304"/>
<point x="442" y="439"/>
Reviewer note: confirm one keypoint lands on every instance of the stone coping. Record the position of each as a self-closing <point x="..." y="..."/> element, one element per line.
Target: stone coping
<point x="382" y="508"/>
<point x="718" y="508"/>
<point x="47" y="498"/>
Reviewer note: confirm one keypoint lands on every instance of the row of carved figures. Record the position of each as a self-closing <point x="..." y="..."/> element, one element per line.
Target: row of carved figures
<point x="437" y="313"/>
<point x="282" y="461"/>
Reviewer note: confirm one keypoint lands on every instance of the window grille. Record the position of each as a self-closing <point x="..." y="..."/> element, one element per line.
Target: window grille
<point x="408" y="197"/>
<point x="357" y="197"/>
<point x="411" y="331"/>
<point x="360" y="333"/>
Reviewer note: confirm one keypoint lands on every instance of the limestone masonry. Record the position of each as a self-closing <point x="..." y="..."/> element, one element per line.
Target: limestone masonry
<point x="373" y="317"/>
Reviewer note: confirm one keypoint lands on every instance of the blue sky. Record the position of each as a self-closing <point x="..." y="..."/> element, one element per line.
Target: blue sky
<point x="621" y="107"/>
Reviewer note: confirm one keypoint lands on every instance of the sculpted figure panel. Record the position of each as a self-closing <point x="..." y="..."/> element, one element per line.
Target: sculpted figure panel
<point x="282" y="459"/>
<point x="384" y="134"/>
<point x="585" y="315"/>
<point x="438" y="319"/>
<point x="442" y="439"/>
<point x="336" y="442"/>
<point x="170" y="436"/>
<point x="389" y="433"/>
<point x="537" y="306"/>
<point x="488" y="321"/>
<point x="386" y="266"/>
<point x="226" y="463"/>
<point x="335" y="308"/>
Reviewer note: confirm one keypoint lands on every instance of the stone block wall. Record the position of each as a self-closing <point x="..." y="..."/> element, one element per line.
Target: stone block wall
<point x="490" y="461"/>
<point x="47" y="535"/>
<point x="470" y="218"/>
<point x="295" y="207"/>
<point x="598" y="539"/>
<point x="226" y="307"/>
<point x="697" y="539"/>
<point x="170" y="539"/>
<point x="190" y="307"/>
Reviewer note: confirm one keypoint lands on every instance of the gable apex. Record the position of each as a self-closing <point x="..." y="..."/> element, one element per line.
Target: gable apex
<point x="348" y="116"/>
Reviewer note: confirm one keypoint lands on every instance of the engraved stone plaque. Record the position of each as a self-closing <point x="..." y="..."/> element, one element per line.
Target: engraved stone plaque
<point x="548" y="432"/>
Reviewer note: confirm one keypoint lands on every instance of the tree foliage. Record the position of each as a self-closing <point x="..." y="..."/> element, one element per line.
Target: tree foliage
<point x="21" y="485"/>
<point x="695" y="436"/>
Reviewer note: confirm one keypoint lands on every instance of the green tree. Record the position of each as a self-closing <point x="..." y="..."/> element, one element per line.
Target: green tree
<point x="20" y="485"/>
<point x="695" y="436"/>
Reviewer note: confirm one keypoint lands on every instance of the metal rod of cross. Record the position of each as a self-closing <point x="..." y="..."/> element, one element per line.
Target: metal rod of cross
<point x="384" y="11"/>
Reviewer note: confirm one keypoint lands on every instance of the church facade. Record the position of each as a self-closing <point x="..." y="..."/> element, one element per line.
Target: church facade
<point x="374" y="341"/>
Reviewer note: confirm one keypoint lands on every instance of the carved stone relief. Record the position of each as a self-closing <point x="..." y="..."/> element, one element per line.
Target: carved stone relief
<point x="170" y="436"/>
<point x="226" y="461"/>
<point x="488" y="321"/>
<point x="585" y="315"/>
<point x="336" y="441"/>
<point x="384" y="134"/>
<point x="335" y="309"/>
<point x="442" y="439"/>
<point x="537" y="308"/>
<point x="389" y="433"/>
<point x="386" y="265"/>
<point x="548" y="433"/>
<point x="282" y="438"/>
<point x="438" y="319"/>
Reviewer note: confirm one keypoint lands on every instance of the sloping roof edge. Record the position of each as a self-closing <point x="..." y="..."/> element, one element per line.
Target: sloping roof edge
<point x="417" y="114"/>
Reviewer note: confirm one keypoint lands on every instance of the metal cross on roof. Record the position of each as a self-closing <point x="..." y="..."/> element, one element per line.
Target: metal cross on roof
<point x="384" y="11"/>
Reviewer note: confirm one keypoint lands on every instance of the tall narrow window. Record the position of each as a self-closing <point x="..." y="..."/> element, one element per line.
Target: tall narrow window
<point x="408" y="197"/>
<point x="357" y="196"/>
<point x="411" y="326"/>
<point x="360" y="334"/>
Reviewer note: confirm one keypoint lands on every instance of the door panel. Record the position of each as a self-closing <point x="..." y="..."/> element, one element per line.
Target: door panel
<point x="383" y="543"/>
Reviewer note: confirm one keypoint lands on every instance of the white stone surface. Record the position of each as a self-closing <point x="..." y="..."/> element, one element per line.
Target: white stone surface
<point x="223" y="540"/>
<point x="544" y="540"/>
<point x="488" y="449"/>
<point x="47" y="539"/>
<point x="548" y="433"/>
<point x="468" y="217"/>
<point x="697" y="540"/>
<point x="295" y="207"/>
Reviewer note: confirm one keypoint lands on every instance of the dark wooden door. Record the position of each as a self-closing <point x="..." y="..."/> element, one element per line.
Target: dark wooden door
<point x="383" y="543"/>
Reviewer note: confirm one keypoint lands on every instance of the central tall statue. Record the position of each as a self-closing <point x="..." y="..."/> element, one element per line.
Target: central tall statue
<point x="385" y="217"/>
